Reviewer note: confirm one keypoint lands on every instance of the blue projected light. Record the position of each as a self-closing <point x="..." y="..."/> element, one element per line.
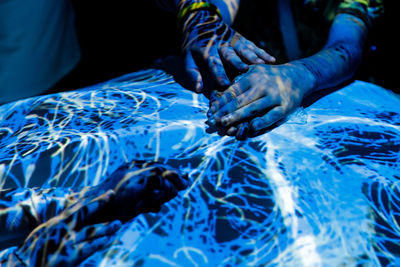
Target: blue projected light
<point x="321" y="189"/>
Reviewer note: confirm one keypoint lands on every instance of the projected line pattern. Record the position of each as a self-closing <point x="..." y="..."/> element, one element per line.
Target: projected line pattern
<point x="320" y="189"/>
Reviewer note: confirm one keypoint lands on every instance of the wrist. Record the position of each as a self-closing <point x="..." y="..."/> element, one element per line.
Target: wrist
<point x="228" y="12"/>
<point x="189" y="7"/>
<point x="305" y="77"/>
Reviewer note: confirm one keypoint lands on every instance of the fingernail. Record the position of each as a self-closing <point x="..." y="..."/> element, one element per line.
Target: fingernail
<point x="231" y="131"/>
<point x="225" y="83"/>
<point x="242" y="131"/>
<point x="198" y="87"/>
<point x="244" y="67"/>
<point x="116" y="224"/>
<point x="211" y="122"/>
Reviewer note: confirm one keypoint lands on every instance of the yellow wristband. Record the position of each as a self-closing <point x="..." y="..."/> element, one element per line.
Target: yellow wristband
<point x="363" y="2"/>
<point x="196" y="7"/>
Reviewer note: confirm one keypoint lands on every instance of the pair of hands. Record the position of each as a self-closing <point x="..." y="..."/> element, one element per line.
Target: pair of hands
<point x="262" y="96"/>
<point x="208" y="41"/>
<point x="258" y="99"/>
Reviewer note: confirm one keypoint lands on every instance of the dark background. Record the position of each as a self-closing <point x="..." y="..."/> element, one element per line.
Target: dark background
<point x="381" y="66"/>
<point x="119" y="37"/>
<point x="127" y="36"/>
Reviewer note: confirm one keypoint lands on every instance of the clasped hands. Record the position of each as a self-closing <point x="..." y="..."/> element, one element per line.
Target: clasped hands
<point x="261" y="96"/>
<point x="209" y="41"/>
<point x="258" y="99"/>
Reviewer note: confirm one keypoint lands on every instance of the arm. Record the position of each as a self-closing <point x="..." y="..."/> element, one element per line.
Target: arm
<point x="22" y="209"/>
<point x="92" y="216"/>
<point x="267" y="94"/>
<point x="228" y="8"/>
<point x="209" y="40"/>
<point x="138" y="187"/>
<point x="339" y="59"/>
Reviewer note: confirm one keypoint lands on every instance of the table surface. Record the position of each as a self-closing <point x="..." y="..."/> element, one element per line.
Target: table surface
<point x="321" y="189"/>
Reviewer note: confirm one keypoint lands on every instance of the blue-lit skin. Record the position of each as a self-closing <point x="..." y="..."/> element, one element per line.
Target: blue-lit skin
<point x="67" y="227"/>
<point x="63" y="240"/>
<point x="209" y="38"/>
<point x="268" y="93"/>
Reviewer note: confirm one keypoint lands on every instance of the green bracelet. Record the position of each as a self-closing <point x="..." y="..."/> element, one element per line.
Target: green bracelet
<point x="183" y="13"/>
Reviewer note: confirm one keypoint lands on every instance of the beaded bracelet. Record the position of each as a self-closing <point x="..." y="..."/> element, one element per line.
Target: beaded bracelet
<point x="184" y="12"/>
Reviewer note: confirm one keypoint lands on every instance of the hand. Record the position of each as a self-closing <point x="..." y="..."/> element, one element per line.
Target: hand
<point x="140" y="187"/>
<point x="214" y="42"/>
<point x="264" y="95"/>
<point x="68" y="239"/>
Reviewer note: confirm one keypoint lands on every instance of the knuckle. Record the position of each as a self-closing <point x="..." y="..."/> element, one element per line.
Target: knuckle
<point x="233" y="117"/>
<point x="238" y="101"/>
<point x="224" y="49"/>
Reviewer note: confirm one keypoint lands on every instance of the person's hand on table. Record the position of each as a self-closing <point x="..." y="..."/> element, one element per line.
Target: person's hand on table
<point x="261" y="97"/>
<point x="209" y="39"/>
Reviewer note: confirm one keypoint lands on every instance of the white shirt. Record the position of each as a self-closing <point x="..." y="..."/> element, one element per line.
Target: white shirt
<point x="38" y="46"/>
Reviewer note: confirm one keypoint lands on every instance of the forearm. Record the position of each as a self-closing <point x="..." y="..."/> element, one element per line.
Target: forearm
<point x="22" y="209"/>
<point x="227" y="8"/>
<point x="8" y="257"/>
<point x="338" y="61"/>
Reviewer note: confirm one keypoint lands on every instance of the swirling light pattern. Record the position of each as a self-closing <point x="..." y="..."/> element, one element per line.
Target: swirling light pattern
<point x="321" y="189"/>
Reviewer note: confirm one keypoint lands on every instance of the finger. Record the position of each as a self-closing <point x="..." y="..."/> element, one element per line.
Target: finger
<point x="174" y="177"/>
<point x="97" y="230"/>
<point x="253" y="109"/>
<point x="230" y="94"/>
<point x="215" y="95"/>
<point x="274" y="115"/>
<point x="232" y="131"/>
<point x="155" y="197"/>
<point x="264" y="55"/>
<point x="245" y="50"/>
<point x="249" y="56"/>
<point x="216" y="68"/>
<point x="88" y="248"/>
<point x="84" y="211"/>
<point x="209" y="113"/>
<point x="261" y="56"/>
<point x="193" y="72"/>
<point x="239" y="101"/>
<point x="98" y="203"/>
<point x="229" y="56"/>
<point x="243" y="130"/>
